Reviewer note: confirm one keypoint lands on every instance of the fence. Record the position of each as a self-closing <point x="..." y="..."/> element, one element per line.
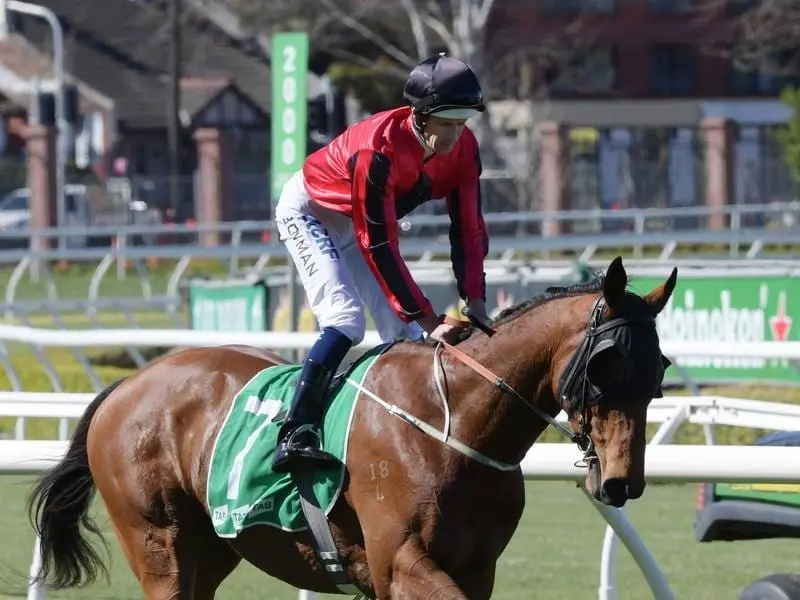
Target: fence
<point x="116" y="338"/>
<point x="431" y="220"/>
<point x="651" y="167"/>
<point x="544" y="461"/>
<point x="629" y="166"/>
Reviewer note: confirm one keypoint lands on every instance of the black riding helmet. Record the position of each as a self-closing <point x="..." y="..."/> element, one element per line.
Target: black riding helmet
<point x="444" y="86"/>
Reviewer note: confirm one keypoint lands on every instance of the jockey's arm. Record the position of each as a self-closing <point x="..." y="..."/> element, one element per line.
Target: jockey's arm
<point x="376" y="230"/>
<point x="469" y="241"/>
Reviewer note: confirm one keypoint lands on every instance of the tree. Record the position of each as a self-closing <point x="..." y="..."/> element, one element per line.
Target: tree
<point x="765" y="36"/>
<point x="757" y="36"/>
<point x="761" y="37"/>
<point x="373" y="35"/>
<point x="372" y="53"/>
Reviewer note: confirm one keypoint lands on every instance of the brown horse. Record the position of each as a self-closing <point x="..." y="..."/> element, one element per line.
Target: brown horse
<point x="445" y="511"/>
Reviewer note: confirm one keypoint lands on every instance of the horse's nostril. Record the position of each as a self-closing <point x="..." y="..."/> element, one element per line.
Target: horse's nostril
<point x="616" y="490"/>
<point x="634" y="490"/>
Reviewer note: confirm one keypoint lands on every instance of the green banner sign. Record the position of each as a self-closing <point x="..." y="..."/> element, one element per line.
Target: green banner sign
<point x="228" y="305"/>
<point x="732" y="309"/>
<point x="289" y="107"/>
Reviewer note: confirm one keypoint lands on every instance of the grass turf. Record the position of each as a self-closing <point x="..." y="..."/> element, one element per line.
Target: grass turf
<point x="554" y="555"/>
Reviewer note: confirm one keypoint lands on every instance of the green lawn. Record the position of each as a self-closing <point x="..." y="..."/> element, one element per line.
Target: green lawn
<point x="555" y="554"/>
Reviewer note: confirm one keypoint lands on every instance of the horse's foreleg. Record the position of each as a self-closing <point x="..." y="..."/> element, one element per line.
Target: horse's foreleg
<point x="415" y="576"/>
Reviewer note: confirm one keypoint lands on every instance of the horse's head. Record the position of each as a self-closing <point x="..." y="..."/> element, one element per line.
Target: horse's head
<point x="608" y="373"/>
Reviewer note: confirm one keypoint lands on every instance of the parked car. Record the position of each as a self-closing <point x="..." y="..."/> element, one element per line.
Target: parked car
<point x="15" y="217"/>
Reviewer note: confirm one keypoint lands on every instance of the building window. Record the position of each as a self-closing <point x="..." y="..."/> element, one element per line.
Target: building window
<point x="769" y="74"/>
<point x="751" y="83"/>
<point x="579" y="6"/>
<point x="594" y="72"/>
<point x="672" y="69"/>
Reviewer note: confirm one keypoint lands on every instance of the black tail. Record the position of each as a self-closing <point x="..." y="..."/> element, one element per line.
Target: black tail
<point x="58" y="506"/>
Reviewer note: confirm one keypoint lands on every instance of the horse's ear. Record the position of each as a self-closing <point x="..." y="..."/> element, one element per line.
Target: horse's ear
<point x="615" y="282"/>
<point x="658" y="298"/>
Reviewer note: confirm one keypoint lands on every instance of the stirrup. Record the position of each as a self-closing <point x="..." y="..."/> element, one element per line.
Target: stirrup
<point x="311" y="451"/>
<point x="295" y="453"/>
<point x="304" y="428"/>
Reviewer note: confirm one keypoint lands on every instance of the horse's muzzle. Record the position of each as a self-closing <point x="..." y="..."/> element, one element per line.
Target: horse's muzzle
<point x="616" y="491"/>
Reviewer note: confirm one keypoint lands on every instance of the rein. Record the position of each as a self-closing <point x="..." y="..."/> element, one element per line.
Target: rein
<point x="501" y="384"/>
<point x="581" y="438"/>
<point x="443" y="435"/>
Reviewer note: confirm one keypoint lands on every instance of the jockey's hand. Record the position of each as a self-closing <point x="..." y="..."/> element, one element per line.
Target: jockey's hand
<point x="449" y="330"/>
<point x="478" y="308"/>
<point x="429" y="323"/>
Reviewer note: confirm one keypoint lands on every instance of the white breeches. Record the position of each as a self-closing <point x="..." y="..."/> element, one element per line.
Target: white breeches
<point x="336" y="278"/>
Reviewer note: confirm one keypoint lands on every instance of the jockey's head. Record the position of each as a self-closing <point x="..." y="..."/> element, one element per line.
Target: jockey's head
<point x="443" y="92"/>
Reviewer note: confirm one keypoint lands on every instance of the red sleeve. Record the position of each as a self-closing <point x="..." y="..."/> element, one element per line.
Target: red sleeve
<point x="375" y="223"/>
<point x="469" y="241"/>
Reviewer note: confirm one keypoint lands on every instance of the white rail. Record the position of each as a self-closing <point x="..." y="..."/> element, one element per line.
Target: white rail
<point x="83" y="338"/>
<point x="679" y="463"/>
<point x="699" y="410"/>
<point x="665" y="463"/>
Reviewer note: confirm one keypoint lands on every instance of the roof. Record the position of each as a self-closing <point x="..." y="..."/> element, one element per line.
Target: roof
<point x="512" y="114"/>
<point x="196" y="94"/>
<point x="21" y="63"/>
<point x="120" y="48"/>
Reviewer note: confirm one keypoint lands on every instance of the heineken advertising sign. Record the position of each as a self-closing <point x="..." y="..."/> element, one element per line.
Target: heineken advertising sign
<point x="735" y="310"/>
<point x="289" y="107"/>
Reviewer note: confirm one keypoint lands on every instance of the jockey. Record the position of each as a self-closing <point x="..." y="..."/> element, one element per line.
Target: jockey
<point x="338" y="218"/>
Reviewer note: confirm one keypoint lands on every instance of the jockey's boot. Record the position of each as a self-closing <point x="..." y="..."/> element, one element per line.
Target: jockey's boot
<point x="298" y="439"/>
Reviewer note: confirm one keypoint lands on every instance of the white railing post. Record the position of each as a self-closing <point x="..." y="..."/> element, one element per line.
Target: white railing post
<point x="619" y="523"/>
<point x="36" y="591"/>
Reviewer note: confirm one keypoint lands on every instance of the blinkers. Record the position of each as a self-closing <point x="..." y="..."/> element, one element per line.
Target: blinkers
<point x="609" y="364"/>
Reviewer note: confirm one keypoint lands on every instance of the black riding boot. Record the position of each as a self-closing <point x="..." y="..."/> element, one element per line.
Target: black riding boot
<point x="298" y="439"/>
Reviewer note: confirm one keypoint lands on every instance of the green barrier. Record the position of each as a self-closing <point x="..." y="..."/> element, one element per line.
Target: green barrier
<point x="230" y="305"/>
<point x="732" y="309"/>
<point x="773" y="493"/>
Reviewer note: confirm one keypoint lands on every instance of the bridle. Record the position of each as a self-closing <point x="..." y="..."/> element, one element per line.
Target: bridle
<point x="575" y="392"/>
<point x="574" y="398"/>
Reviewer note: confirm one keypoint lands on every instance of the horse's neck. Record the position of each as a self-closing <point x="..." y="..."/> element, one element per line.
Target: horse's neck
<point x="498" y="424"/>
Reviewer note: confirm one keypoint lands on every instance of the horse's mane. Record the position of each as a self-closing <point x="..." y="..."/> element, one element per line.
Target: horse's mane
<point x="552" y="293"/>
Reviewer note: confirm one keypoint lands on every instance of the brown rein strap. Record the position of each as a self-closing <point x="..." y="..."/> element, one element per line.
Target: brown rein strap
<point x="471" y="362"/>
<point x="477" y="367"/>
<point x="500" y="383"/>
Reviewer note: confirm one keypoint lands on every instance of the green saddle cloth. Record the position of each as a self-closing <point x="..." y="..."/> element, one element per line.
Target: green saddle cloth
<point x="242" y="489"/>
